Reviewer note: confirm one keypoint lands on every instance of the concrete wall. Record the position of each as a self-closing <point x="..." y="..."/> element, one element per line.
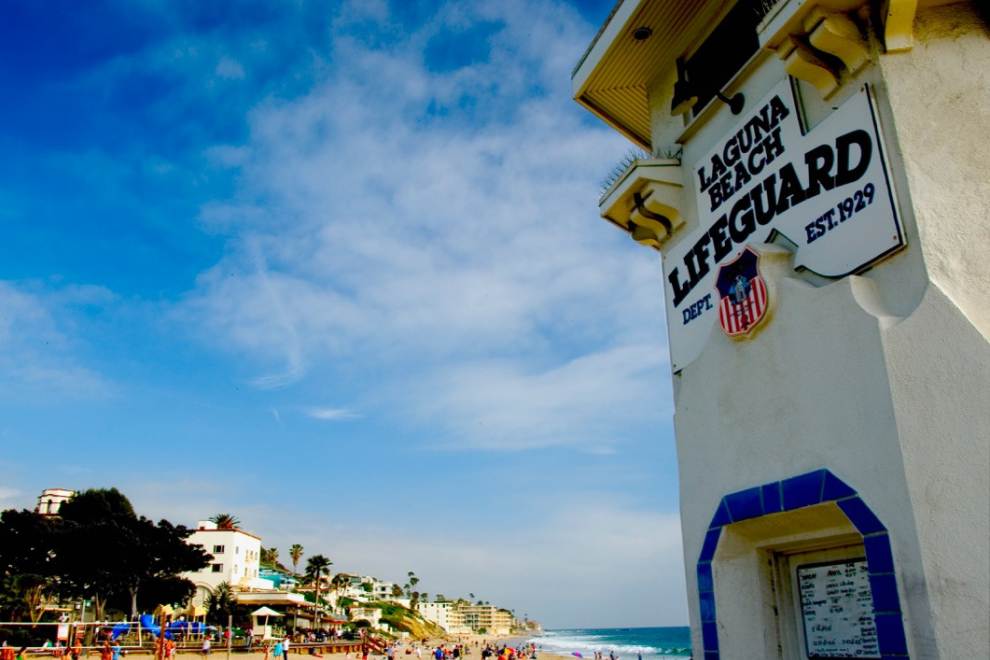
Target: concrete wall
<point x="882" y="378"/>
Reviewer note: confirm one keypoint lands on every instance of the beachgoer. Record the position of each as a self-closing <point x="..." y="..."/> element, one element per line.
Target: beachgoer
<point x="285" y="648"/>
<point x="105" y="652"/>
<point x="206" y="645"/>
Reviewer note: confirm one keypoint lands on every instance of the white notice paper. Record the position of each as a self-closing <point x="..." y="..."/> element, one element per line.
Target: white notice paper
<point x="837" y="608"/>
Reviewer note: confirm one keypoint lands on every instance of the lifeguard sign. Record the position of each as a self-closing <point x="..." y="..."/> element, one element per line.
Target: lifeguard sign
<point x="826" y="191"/>
<point x="819" y="205"/>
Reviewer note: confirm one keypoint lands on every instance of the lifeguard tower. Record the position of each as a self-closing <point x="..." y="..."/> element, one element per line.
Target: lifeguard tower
<point x="814" y="176"/>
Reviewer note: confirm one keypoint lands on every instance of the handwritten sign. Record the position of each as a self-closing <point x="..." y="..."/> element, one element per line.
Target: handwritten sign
<point x="837" y="609"/>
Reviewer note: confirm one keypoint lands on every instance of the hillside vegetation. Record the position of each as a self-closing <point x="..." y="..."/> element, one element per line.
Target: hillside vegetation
<point x="403" y="618"/>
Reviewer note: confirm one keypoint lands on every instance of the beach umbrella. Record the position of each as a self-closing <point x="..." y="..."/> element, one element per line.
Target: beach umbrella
<point x="577" y="655"/>
<point x="265" y="612"/>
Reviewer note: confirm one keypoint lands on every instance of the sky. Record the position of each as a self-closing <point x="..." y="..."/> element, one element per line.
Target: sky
<point x="337" y="268"/>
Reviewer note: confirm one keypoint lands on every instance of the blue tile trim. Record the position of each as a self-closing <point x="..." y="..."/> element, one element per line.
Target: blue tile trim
<point x="711" y="542"/>
<point x="890" y="633"/>
<point x="705" y="581"/>
<point x="721" y="516"/>
<point x="884" y="588"/>
<point x="860" y="515"/>
<point x="708" y="607"/>
<point x="835" y="488"/>
<point x="709" y="636"/>
<point x="745" y="504"/>
<point x="803" y="490"/>
<point x="794" y="493"/>
<point x="771" y="497"/>
<point x="879" y="558"/>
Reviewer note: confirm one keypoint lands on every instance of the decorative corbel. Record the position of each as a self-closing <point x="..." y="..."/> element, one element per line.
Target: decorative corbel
<point x="646" y="201"/>
<point x="801" y="62"/>
<point x="898" y="24"/>
<point x="837" y="35"/>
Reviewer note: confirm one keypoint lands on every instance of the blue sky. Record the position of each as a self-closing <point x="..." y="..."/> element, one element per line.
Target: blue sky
<point x="337" y="268"/>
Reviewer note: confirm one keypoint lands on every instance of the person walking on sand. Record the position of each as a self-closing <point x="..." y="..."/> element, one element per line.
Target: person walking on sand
<point x="205" y="649"/>
<point x="105" y="652"/>
<point x="285" y="648"/>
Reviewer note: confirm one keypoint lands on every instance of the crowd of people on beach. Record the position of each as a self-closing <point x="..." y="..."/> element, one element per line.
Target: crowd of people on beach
<point x="110" y="648"/>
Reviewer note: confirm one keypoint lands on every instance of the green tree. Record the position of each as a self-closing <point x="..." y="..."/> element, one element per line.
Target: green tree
<point x="296" y="553"/>
<point x="28" y="563"/>
<point x="104" y="550"/>
<point x="226" y="521"/>
<point x="316" y="566"/>
<point x="220" y="604"/>
<point x="396" y="591"/>
<point x="269" y="556"/>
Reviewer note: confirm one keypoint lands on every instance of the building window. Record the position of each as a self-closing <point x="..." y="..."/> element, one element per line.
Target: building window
<point x="217" y="568"/>
<point x="218" y="549"/>
<point x="237" y="549"/>
<point x="724" y="52"/>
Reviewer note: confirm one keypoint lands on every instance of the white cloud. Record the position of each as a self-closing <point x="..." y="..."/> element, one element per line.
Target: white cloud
<point x="440" y="227"/>
<point x="331" y="414"/>
<point x="229" y="69"/>
<point x="583" y="402"/>
<point x="37" y="348"/>
<point x="594" y="563"/>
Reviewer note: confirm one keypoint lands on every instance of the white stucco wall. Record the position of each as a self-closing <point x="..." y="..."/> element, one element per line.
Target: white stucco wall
<point x="882" y="378"/>
<point x="241" y="560"/>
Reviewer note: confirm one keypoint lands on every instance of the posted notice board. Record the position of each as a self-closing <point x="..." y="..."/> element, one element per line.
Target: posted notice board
<point x="837" y="610"/>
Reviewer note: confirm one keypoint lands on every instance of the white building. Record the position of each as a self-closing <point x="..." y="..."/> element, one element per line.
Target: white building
<point x="235" y="559"/>
<point x="438" y="613"/>
<point x="815" y="181"/>
<point x="372" y="615"/>
<point x="51" y="499"/>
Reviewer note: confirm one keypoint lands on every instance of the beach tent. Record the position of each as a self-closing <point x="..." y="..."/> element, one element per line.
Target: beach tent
<point x="266" y="630"/>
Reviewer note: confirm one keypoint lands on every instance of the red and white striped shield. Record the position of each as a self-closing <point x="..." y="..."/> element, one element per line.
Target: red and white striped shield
<point x="743" y="299"/>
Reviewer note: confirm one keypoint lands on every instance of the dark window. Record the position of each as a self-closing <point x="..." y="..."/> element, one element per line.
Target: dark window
<point x="724" y="52"/>
<point x="217" y="568"/>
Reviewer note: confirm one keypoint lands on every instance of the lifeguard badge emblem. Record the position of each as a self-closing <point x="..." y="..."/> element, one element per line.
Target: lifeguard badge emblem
<point x="743" y="295"/>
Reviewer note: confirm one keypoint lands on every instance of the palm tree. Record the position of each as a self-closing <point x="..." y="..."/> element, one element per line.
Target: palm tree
<point x="269" y="556"/>
<point x="226" y="521"/>
<point x="220" y="603"/>
<point x="296" y="553"/>
<point x="316" y="566"/>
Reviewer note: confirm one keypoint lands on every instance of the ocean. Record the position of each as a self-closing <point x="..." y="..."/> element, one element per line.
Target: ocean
<point x="627" y="643"/>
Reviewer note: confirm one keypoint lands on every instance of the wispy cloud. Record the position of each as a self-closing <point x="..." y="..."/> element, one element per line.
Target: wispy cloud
<point x="37" y="349"/>
<point x="438" y="225"/>
<point x="616" y="555"/>
<point x="331" y="414"/>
